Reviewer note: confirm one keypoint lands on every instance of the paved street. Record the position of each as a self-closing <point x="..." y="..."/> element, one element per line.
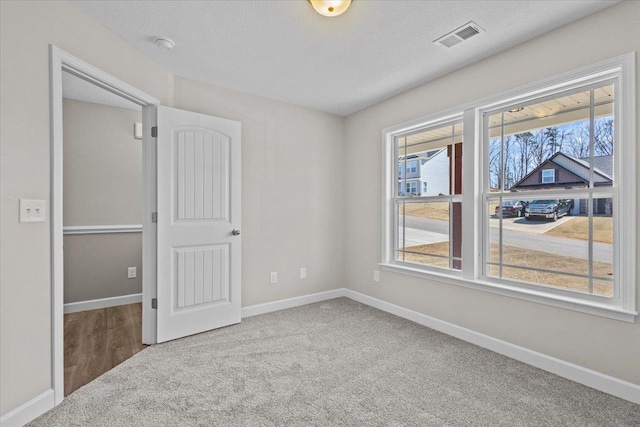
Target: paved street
<point x="424" y="231"/>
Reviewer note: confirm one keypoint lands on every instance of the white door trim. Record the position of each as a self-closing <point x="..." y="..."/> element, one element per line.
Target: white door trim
<point x="63" y="61"/>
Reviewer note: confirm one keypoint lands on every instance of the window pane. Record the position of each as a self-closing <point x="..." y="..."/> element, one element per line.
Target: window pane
<point x="424" y="234"/>
<point x="550" y="244"/>
<point x="557" y="144"/>
<point x="553" y="136"/>
<point x="427" y="164"/>
<point x="557" y="280"/>
<point x="399" y="236"/>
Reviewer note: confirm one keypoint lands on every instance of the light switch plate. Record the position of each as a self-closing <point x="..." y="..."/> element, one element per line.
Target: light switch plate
<point x="131" y="273"/>
<point x="32" y="210"/>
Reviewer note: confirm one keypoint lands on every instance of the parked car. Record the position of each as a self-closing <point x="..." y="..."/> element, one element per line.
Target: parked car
<point x="548" y="209"/>
<point x="512" y="208"/>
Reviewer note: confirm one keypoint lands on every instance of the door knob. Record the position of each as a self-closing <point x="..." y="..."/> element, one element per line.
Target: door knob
<point x="236" y="232"/>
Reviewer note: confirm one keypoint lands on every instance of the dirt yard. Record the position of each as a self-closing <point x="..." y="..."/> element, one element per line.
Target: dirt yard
<point x="578" y="228"/>
<point x="527" y="258"/>
<point x="439" y="211"/>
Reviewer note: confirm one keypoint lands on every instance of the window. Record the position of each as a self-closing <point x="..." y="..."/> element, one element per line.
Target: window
<point x="548" y="176"/>
<point x="570" y="131"/>
<point x="428" y="227"/>
<point x="412" y="167"/>
<point x="412" y="187"/>
<point x="548" y="197"/>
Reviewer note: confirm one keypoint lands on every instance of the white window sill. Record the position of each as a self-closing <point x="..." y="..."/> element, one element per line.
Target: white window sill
<point x="561" y="301"/>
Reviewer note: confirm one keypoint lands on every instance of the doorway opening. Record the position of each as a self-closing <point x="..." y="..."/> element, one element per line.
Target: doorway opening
<point x="103" y="194"/>
<point x="102" y="218"/>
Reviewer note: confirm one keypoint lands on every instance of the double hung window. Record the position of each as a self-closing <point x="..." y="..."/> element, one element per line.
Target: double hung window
<point x="548" y="176"/>
<point x="545" y="209"/>
<point x="564" y="240"/>
<point x="428" y="226"/>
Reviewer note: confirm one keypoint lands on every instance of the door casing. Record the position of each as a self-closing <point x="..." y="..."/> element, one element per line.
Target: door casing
<point x="62" y="61"/>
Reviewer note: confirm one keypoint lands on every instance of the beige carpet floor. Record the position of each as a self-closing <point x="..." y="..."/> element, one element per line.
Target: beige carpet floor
<point x="335" y="363"/>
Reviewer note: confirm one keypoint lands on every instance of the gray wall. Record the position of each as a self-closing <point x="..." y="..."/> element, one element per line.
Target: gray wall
<point x="95" y="266"/>
<point x="292" y="182"/>
<point x="26" y="30"/>
<point x="102" y="165"/>
<point x="102" y="186"/>
<point x="608" y="346"/>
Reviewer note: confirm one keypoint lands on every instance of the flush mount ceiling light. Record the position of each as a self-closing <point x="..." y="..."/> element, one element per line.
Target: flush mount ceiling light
<point x="164" y="43"/>
<point x="330" y="8"/>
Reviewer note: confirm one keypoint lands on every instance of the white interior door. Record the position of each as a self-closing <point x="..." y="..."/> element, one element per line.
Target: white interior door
<point x="198" y="223"/>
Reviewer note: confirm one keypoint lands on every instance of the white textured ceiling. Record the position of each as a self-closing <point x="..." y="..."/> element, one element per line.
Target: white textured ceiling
<point x="284" y="50"/>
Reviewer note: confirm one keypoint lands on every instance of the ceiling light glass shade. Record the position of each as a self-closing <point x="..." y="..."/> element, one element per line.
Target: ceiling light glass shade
<point x="330" y="7"/>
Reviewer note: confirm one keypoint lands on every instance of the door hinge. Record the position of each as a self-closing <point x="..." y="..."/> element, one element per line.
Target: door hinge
<point x="154" y="131"/>
<point x="154" y="217"/>
<point x="154" y="303"/>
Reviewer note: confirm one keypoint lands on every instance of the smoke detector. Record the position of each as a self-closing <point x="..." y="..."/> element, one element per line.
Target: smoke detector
<point x="459" y="35"/>
<point x="164" y="43"/>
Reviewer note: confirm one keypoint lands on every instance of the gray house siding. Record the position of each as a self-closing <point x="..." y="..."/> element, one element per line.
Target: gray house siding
<point x="432" y="171"/>
<point x="435" y="172"/>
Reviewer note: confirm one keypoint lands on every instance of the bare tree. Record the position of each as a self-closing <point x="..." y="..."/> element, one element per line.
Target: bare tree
<point x="515" y="156"/>
<point x="603" y="137"/>
<point x="578" y="144"/>
<point x="495" y="163"/>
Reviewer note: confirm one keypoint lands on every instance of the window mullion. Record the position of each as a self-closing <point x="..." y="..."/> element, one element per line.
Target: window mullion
<point x="591" y="183"/>
<point x="404" y="205"/>
<point x="471" y="189"/>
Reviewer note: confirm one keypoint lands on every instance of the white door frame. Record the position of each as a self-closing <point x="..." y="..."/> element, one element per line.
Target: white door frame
<point x="62" y="61"/>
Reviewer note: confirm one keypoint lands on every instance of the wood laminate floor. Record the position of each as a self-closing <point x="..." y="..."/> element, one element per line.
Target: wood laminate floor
<point x="97" y="340"/>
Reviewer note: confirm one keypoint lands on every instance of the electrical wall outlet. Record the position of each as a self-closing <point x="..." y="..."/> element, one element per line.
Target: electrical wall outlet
<point x="131" y="272"/>
<point x="273" y="277"/>
<point x="32" y="210"/>
<point x="376" y="275"/>
<point x="303" y="272"/>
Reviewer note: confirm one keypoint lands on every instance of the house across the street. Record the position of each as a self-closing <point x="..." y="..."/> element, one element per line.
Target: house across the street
<point x="562" y="170"/>
<point x="424" y="174"/>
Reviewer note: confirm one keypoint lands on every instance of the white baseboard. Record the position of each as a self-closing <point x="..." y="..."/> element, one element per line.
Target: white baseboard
<point x="94" y="304"/>
<point x="590" y="378"/>
<point x="268" y="307"/>
<point x="28" y="411"/>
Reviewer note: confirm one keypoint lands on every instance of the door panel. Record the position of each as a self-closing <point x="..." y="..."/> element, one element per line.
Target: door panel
<point x="202" y="162"/>
<point x="198" y="208"/>
<point x="202" y="275"/>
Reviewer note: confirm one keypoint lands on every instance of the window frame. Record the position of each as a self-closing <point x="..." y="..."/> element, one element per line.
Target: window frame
<point x="623" y="305"/>
<point x="412" y="169"/>
<point x="410" y="198"/>
<point x="553" y="176"/>
<point x="410" y="186"/>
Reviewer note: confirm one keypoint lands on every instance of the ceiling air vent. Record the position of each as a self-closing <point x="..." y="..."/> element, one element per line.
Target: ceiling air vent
<point x="458" y="35"/>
